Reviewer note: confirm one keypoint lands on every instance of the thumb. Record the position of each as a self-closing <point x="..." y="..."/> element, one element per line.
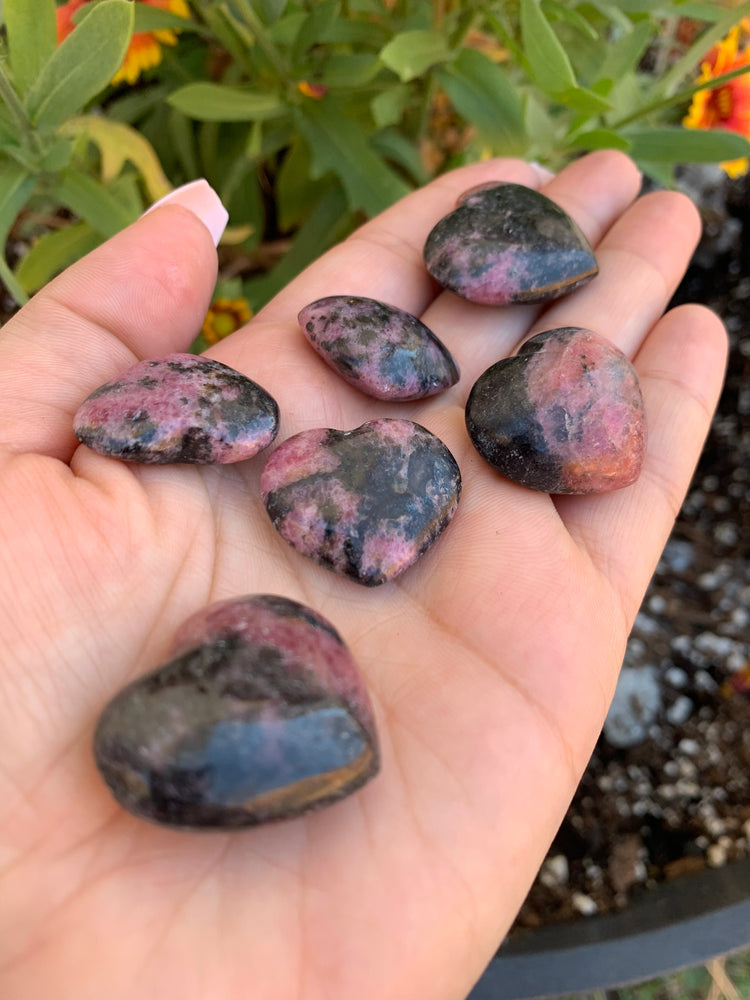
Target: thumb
<point x="143" y="293"/>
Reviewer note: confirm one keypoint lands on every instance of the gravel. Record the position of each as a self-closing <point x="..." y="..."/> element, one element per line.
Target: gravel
<point x="667" y="790"/>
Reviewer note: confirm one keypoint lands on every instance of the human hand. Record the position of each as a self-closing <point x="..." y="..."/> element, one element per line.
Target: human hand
<point x="490" y="663"/>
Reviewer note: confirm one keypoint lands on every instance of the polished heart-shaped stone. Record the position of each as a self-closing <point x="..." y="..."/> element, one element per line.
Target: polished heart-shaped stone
<point x="383" y="351"/>
<point x="181" y="408"/>
<point x="565" y="415"/>
<point x="508" y="243"/>
<point x="260" y="714"/>
<point x="366" y="503"/>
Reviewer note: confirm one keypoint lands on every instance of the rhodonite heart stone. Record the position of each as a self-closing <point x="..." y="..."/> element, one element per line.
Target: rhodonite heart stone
<point x="181" y="408"/>
<point x="259" y="715"/>
<point x="565" y="415"/>
<point x="508" y="243"/>
<point x="382" y="351"/>
<point x="366" y="503"/>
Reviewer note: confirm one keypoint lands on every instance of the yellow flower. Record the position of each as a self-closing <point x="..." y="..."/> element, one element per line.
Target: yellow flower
<point x="728" y="105"/>
<point x="224" y="317"/>
<point x="144" y="51"/>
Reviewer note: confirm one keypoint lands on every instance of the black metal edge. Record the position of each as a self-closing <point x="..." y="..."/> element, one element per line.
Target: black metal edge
<point x="673" y="926"/>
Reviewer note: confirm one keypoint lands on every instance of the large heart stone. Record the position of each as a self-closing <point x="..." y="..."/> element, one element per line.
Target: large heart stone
<point x="565" y="415"/>
<point x="366" y="503"/>
<point x="181" y="408"/>
<point x="259" y="715"/>
<point x="383" y="351"/>
<point x="508" y="243"/>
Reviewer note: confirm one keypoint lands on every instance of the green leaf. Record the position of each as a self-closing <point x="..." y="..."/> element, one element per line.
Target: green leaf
<point x="271" y="10"/>
<point x="624" y="55"/>
<point x="549" y="65"/>
<point x="315" y="26"/>
<point x="182" y="138"/>
<point x="393" y="145"/>
<point x="337" y="145"/>
<point x="93" y="202"/>
<point x="296" y="192"/>
<point x="573" y="18"/>
<point x="32" y="37"/>
<point x="600" y="138"/>
<point x="118" y="144"/>
<point x="53" y="252"/>
<point x="680" y="145"/>
<point x="83" y="65"/>
<point x="16" y="187"/>
<point x="412" y="52"/>
<point x="388" y="106"/>
<point x="157" y="19"/>
<point x="215" y="102"/>
<point x="133" y="105"/>
<point x="349" y="70"/>
<point x="584" y="100"/>
<point x="482" y="94"/>
<point x="690" y="61"/>
<point x="328" y="221"/>
<point x="701" y="11"/>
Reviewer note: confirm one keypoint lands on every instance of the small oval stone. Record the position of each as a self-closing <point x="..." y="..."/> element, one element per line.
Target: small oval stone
<point x="366" y="503"/>
<point x="565" y="415"/>
<point x="383" y="351"/>
<point x="180" y="408"/>
<point x="261" y="714"/>
<point x="508" y="243"/>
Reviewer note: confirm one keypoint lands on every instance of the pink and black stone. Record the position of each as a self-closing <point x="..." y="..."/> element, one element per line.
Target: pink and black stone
<point x="181" y="408"/>
<point x="379" y="349"/>
<point x="508" y="243"/>
<point x="365" y="503"/>
<point x="565" y="415"/>
<point x="260" y="714"/>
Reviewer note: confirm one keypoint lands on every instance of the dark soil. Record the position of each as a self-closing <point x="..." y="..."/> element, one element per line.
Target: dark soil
<point x="667" y="790"/>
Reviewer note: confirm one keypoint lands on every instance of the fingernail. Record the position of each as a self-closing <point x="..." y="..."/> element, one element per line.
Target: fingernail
<point x="544" y="175"/>
<point x="201" y="199"/>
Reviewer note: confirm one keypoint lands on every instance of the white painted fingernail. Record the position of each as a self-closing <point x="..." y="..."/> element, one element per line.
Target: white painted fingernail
<point x="544" y="175"/>
<point x="201" y="199"/>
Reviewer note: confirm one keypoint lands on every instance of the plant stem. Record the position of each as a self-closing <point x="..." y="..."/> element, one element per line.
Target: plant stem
<point x="680" y="97"/>
<point x="14" y="106"/>
<point x="9" y="280"/>
<point x="258" y="29"/>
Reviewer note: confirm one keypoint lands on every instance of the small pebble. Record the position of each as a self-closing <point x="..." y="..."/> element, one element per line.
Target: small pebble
<point x="181" y="408"/>
<point x="635" y="706"/>
<point x="260" y="714"/>
<point x="583" y="904"/>
<point x="365" y="503"/>
<point x="678" y="555"/>
<point x="565" y="415"/>
<point x="380" y="350"/>
<point x="676" y="677"/>
<point x="554" y="871"/>
<point x="508" y="243"/>
<point x="679" y="711"/>
<point x="716" y="855"/>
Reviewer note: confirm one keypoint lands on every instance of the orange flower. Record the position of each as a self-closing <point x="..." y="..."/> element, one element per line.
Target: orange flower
<point x="224" y="317"/>
<point x="144" y="51"/>
<point x="314" y="90"/>
<point x="728" y="105"/>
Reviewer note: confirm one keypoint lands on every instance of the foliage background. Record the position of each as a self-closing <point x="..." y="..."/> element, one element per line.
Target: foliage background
<point x="309" y="116"/>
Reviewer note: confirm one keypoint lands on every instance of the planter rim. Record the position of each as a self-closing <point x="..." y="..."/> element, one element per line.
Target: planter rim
<point x="672" y="926"/>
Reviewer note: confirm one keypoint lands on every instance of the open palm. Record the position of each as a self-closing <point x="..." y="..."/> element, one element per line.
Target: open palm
<point x="490" y="663"/>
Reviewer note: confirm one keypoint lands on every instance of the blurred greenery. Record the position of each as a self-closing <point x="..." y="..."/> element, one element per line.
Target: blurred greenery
<point x="308" y="117"/>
